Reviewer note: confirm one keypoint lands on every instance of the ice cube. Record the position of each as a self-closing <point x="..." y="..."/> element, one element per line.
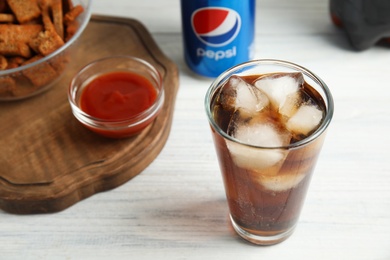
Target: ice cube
<point x="279" y="86"/>
<point x="280" y="182"/>
<point x="291" y="104"/>
<point x="257" y="134"/>
<point x="254" y="159"/>
<point x="305" y="120"/>
<point x="237" y="93"/>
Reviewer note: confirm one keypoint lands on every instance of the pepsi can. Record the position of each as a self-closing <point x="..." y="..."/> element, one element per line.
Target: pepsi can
<point x="217" y="34"/>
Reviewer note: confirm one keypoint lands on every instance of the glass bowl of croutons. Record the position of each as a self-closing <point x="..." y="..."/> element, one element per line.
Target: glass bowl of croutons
<point x="36" y="40"/>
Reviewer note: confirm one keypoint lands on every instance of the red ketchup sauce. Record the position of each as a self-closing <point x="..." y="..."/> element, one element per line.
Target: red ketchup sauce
<point x="118" y="96"/>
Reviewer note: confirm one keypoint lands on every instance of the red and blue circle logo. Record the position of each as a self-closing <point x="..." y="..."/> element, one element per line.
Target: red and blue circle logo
<point x="215" y="26"/>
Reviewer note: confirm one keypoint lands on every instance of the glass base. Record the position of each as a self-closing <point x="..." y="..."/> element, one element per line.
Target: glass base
<point x="262" y="240"/>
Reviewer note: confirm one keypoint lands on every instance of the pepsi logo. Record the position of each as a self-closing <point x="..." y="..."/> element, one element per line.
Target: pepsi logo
<point x="215" y="26"/>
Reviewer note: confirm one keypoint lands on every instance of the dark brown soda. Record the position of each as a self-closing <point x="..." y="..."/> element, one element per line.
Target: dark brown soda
<point x="254" y="207"/>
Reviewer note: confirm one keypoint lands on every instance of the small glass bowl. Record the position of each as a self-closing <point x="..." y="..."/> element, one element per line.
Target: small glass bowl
<point x="116" y="128"/>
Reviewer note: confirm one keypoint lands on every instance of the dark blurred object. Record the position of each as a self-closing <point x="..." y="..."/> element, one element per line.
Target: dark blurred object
<point x="366" y="22"/>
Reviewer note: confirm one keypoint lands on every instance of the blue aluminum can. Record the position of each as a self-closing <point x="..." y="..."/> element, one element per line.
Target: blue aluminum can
<point x="217" y="34"/>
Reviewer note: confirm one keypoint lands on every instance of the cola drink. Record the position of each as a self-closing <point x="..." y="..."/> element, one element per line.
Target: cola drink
<point x="268" y="127"/>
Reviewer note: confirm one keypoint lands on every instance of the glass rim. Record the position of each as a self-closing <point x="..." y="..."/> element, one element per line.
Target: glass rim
<point x="282" y="63"/>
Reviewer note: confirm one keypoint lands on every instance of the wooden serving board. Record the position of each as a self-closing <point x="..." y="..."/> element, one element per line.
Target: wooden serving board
<point x="48" y="160"/>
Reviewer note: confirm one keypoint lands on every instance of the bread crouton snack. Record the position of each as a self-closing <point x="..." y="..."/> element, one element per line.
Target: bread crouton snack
<point x="29" y="31"/>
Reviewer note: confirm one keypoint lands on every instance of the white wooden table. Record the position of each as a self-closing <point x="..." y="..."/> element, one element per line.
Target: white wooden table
<point x="176" y="208"/>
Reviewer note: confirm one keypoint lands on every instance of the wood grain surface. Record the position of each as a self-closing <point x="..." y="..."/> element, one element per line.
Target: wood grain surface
<point x="49" y="161"/>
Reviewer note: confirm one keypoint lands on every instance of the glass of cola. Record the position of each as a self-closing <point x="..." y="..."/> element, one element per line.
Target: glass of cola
<point x="268" y="121"/>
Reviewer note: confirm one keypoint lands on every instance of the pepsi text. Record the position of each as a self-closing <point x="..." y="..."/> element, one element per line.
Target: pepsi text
<point x="217" y="55"/>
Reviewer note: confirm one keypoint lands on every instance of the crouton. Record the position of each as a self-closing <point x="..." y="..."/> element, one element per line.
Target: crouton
<point x="15" y="33"/>
<point x="71" y="29"/>
<point x="15" y="49"/>
<point x="7" y="18"/>
<point x="14" y="62"/>
<point x="47" y="42"/>
<point x="73" y="14"/>
<point x="24" y="11"/>
<point x="47" y="22"/>
<point x="58" y="17"/>
<point x="3" y="63"/>
<point x="39" y="75"/>
<point x="7" y="85"/>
